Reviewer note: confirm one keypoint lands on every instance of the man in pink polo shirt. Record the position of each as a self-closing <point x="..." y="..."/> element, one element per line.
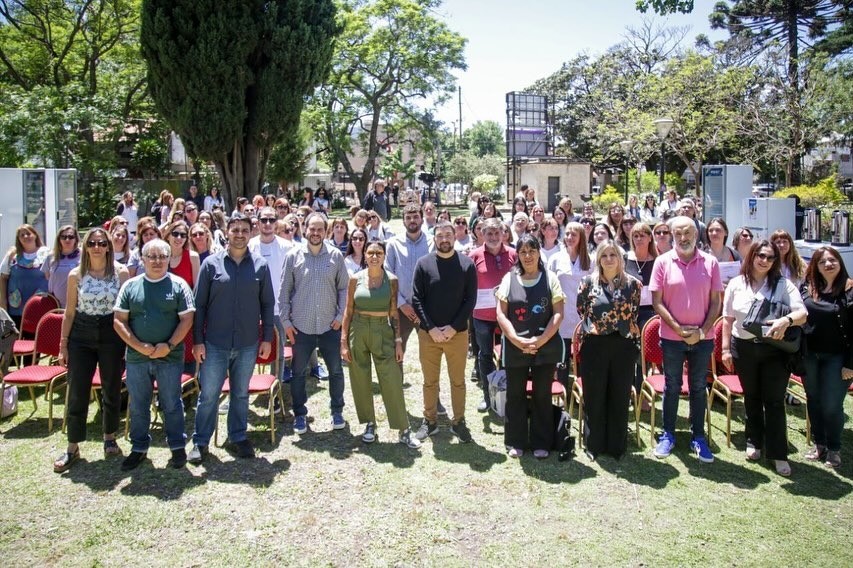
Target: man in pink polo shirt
<point x="686" y="294"/>
<point x="492" y="261"/>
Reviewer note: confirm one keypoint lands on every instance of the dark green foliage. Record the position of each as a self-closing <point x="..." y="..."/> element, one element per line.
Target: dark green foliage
<point x="231" y="77"/>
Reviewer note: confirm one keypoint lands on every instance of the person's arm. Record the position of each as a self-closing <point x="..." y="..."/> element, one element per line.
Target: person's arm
<point x="342" y="284"/>
<point x="284" y="300"/>
<point x="726" y="346"/>
<point x="201" y="298"/>
<point x="267" y="301"/>
<point x="469" y="299"/>
<point x="4" y="282"/>
<point x="394" y="319"/>
<point x="418" y="296"/>
<point x="121" y="324"/>
<point x="347" y="321"/>
<point x="70" y="312"/>
<point x="194" y="264"/>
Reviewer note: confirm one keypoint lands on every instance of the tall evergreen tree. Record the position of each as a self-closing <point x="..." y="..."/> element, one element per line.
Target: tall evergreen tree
<point x="231" y="78"/>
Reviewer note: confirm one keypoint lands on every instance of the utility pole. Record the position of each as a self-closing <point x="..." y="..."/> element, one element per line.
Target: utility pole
<point x="460" y="112"/>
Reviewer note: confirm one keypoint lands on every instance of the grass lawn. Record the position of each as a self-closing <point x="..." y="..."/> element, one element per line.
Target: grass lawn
<point x="327" y="499"/>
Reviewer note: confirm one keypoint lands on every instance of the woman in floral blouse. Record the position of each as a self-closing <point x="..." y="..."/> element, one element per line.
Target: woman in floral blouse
<point x="608" y="302"/>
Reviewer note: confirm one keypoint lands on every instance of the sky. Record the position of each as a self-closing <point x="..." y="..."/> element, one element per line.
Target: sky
<point x="511" y="44"/>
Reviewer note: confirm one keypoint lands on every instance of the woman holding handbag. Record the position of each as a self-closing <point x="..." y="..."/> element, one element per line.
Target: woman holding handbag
<point x="828" y="296"/>
<point x="760" y="365"/>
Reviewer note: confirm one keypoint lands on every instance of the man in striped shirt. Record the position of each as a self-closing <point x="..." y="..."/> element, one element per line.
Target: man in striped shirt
<point x="311" y="305"/>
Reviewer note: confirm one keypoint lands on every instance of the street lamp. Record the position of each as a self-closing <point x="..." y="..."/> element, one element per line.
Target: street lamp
<point x="627" y="146"/>
<point x="663" y="126"/>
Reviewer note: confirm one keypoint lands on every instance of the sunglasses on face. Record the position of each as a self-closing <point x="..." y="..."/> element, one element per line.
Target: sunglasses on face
<point x="100" y="244"/>
<point x="178" y="234"/>
<point x="267" y="220"/>
<point x="461" y="223"/>
<point x="357" y="239"/>
<point x="767" y="257"/>
<point x="587" y="223"/>
<point x="198" y="234"/>
<point x="661" y="233"/>
<point x="67" y="237"/>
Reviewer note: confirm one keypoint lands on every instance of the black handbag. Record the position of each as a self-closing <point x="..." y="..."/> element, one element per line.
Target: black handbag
<point x="772" y="308"/>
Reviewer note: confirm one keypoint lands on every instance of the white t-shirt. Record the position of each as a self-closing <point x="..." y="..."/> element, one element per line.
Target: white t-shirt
<point x="569" y="274"/>
<point x="274" y="253"/>
<point x="739" y="296"/>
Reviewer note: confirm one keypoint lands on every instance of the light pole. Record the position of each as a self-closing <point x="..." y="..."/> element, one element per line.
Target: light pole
<point x="663" y="126"/>
<point x="627" y="146"/>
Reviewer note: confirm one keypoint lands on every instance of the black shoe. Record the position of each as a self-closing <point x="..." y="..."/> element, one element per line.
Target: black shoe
<point x="197" y="454"/>
<point x="461" y="431"/>
<point x="133" y="460"/>
<point x="244" y="449"/>
<point x="178" y="459"/>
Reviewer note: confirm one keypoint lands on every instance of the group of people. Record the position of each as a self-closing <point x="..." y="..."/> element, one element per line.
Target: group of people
<point x="325" y="284"/>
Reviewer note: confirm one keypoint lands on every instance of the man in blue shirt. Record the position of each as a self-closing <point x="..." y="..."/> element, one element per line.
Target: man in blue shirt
<point x="234" y="292"/>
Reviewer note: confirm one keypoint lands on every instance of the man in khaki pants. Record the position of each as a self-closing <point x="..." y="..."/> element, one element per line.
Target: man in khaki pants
<point x="444" y="294"/>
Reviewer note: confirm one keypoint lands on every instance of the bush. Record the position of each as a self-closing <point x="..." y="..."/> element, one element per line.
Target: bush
<point x="601" y="202"/>
<point x="824" y="194"/>
<point x="485" y="183"/>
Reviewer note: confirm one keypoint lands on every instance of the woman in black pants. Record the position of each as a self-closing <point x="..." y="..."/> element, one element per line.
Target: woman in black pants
<point x="89" y="340"/>
<point x="608" y="302"/>
<point x="529" y="312"/>
<point x="761" y="367"/>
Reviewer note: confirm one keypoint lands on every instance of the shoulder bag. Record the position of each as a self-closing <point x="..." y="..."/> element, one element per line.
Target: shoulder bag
<point x="772" y="308"/>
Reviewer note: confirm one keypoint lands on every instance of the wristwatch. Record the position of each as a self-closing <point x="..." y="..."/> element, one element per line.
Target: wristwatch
<point x="790" y="321"/>
<point x="169" y="343"/>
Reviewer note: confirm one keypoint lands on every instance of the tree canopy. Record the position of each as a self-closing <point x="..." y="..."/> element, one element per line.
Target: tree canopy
<point x="394" y="58"/>
<point x="231" y="78"/>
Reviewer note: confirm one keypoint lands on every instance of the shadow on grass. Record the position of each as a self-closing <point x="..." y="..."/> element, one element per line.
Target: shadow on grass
<point x="815" y="480"/>
<point x="550" y="470"/>
<point x="445" y="447"/>
<point x="257" y="472"/>
<point x="723" y="472"/>
<point x="638" y="468"/>
<point x="29" y="427"/>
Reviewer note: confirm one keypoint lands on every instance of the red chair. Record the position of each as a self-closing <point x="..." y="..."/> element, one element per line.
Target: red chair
<point x="725" y="386"/>
<point x="36" y="307"/>
<point x="51" y="376"/>
<point x="261" y="383"/>
<point x="654" y="381"/>
<point x="189" y="383"/>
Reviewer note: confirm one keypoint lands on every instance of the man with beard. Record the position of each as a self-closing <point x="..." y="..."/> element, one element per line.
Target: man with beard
<point x="444" y="294"/>
<point x="312" y="300"/>
<point x="686" y="294"/>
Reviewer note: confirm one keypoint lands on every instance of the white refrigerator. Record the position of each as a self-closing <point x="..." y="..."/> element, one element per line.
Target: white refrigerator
<point x="763" y="215"/>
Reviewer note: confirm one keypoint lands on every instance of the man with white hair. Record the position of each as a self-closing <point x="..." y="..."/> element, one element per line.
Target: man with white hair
<point x="686" y="293"/>
<point x="153" y="313"/>
<point x="687" y="208"/>
<point x="520" y="221"/>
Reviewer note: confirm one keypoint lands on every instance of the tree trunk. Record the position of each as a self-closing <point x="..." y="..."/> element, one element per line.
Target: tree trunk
<point x="241" y="171"/>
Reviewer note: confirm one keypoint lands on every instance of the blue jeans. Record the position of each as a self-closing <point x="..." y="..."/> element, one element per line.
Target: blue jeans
<point x="698" y="357"/>
<point x="329" y="344"/>
<point x="238" y="364"/>
<point x="140" y="386"/>
<point x="825" y="392"/>
<point x="484" y="335"/>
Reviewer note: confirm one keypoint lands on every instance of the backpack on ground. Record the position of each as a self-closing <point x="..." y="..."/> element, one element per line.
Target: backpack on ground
<point x="564" y="442"/>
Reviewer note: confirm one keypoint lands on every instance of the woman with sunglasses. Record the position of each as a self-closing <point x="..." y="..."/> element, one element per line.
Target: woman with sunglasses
<point x="463" y="244"/>
<point x="201" y="241"/>
<point x="21" y="274"/>
<point x="65" y="257"/>
<point x="377" y="230"/>
<point x="623" y="237"/>
<point x="321" y="202"/>
<point x="183" y="261"/>
<point x="662" y="237"/>
<point x="146" y="230"/>
<point x="355" y="259"/>
<point x="282" y="207"/>
<point x="371" y="331"/>
<point x="742" y="241"/>
<point x="649" y="210"/>
<point x="588" y="223"/>
<point x="295" y="226"/>
<point x="88" y="341"/>
<point x="761" y="367"/>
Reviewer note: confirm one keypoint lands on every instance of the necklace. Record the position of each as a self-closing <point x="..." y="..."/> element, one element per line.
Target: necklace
<point x="640" y="267"/>
<point x="375" y="281"/>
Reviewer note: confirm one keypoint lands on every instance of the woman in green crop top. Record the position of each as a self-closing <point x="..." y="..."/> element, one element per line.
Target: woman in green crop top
<point x="371" y="329"/>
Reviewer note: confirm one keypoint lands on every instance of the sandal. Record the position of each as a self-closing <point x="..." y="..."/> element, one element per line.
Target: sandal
<point x="111" y="448"/>
<point x="783" y="468"/>
<point x="64" y="462"/>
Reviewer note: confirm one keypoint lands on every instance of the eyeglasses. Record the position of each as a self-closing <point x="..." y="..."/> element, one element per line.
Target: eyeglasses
<point x="198" y="234"/>
<point x="282" y="207"/>
<point x="767" y="257"/>
<point x="267" y="220"/>
<point x="101" y="244"/>
<point x="661" y="233"/>
<point x="68" y="237"/>
<point x="178" y="234"/>
<point x="156" y="257"/>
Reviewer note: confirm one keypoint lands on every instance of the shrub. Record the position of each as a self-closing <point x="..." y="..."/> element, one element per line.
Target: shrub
<point x="824" y="194"/>
<point x="601" y="202"/>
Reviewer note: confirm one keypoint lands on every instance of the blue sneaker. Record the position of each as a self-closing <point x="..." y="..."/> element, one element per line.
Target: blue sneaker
<point x="338" y="422"/>
<point x="286" y="375"/>
<point x="300" y="424"/>
<point x="699" y="446"/>
<point x="320" y="372"/>
<point x="666" y="443"/>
